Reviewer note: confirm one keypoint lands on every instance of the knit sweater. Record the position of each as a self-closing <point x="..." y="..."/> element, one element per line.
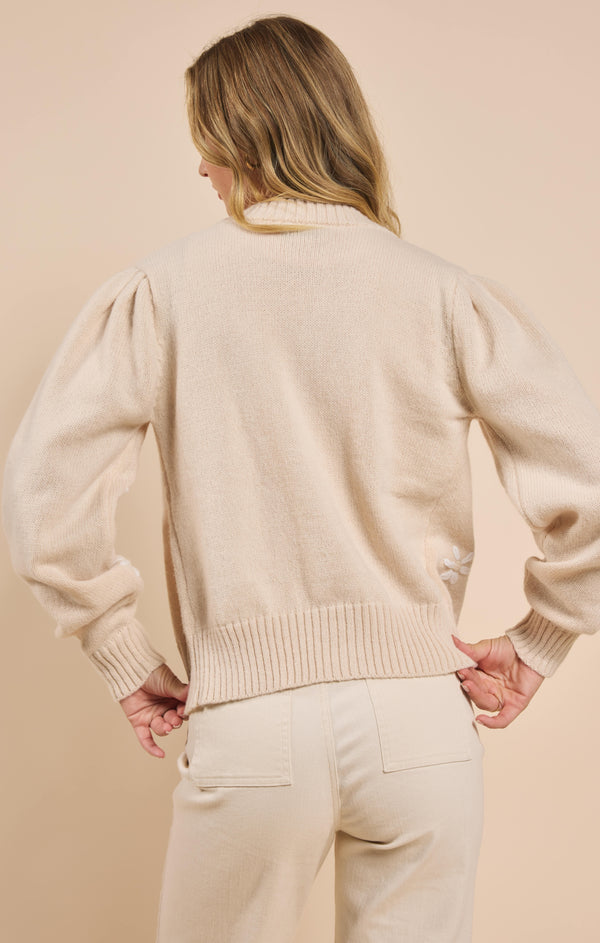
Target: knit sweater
<point x="311" y="395"/>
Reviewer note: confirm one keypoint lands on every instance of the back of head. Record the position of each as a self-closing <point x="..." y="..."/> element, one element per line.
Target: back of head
<point x="278" y="103"/>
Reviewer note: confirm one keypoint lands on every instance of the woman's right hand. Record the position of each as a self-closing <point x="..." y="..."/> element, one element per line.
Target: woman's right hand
<point x="157" y="707"/>
<point x="500" y="678"/>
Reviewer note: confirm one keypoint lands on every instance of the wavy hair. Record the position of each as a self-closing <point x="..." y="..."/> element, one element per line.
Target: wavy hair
<point x="278" y="103"/>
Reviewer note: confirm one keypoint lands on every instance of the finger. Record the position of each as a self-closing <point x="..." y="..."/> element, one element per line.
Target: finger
<point x="172" y="717"/>
<point x="470" y="674"/>
<point x="163" y="724"/>
<point x="159" y="725"/>
<point x="484" y="698"/>
<point x="502" y="719"/>
<point x="147" y="741"/>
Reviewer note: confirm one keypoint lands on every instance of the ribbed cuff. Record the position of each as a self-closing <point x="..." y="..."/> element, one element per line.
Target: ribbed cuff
<point x="540" y="643"/>
<point x="126" y="660"/>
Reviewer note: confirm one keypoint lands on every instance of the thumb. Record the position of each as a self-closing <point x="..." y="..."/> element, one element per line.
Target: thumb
<point x="476" y="650"/>
<point x="167" y="684"/>
<point x="179" y="689"/>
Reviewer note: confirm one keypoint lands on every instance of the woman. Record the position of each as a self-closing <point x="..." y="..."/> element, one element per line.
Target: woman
<point x="310" y="377"/>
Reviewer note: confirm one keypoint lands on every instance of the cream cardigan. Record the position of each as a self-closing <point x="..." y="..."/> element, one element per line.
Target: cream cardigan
<point x="311" y="395"/>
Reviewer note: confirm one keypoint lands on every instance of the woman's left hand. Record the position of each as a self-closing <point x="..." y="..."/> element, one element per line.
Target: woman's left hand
<point x="501" y="681"/>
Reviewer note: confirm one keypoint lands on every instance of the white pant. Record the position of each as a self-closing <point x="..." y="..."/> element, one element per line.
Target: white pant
<point x="390" y="769"/>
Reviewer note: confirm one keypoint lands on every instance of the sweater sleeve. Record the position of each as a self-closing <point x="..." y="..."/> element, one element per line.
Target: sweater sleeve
<point x="544" y="434"/>
<point x="74" y="454"/>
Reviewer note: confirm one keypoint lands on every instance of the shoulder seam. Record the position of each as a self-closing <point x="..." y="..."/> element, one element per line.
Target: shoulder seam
<point x="490" y="432"/>
<point x="454" y="355"/>
<point x="159" y="344"/>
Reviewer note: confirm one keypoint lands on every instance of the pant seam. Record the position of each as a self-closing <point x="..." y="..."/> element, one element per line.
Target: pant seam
<point x="331" y="757"/>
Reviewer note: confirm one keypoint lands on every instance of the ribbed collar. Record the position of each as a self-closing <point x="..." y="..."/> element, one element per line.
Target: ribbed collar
<point x="286" y="210"/>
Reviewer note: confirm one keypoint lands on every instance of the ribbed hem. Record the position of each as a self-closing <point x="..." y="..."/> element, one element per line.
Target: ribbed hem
<point x="286" y="210"/>
<point x="126" y="660"/>
<point x="540" y="643"/>
<point x="323" y="643"/>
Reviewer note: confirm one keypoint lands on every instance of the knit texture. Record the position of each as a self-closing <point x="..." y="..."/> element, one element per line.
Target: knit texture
<point x="311" y="395"/>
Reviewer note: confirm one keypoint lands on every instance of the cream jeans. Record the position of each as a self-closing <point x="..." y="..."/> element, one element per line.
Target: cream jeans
<point x="389" y="769"/>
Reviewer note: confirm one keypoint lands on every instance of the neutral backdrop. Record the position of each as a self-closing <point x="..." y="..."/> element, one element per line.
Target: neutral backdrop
<point x="486" y="112"/>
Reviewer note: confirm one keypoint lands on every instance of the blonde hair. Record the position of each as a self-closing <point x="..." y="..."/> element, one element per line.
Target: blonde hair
<point x="277" y="102"/>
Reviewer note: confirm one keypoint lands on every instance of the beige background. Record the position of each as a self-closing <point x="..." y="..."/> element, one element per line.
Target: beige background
<point x="487" y="116"/>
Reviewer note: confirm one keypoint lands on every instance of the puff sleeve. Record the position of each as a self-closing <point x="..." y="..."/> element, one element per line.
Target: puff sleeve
<point x="544" y="434"/>
<point x="74" y="454"/>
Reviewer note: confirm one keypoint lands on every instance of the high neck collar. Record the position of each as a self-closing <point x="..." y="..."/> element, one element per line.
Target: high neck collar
<point x="286" y="210"/>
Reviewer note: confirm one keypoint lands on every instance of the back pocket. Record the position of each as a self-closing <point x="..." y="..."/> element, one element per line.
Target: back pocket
<point x="241" y="743"/>
<point x="422" y="721"/>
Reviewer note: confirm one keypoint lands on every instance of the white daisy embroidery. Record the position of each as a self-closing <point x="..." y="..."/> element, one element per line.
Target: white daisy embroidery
<point x="456" y="566"/>
<point x="123" y="561"/>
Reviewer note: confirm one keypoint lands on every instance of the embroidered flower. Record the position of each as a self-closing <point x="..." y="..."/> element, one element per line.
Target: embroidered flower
<point x="123" y="561"/>
<point x="456" y="566"/>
